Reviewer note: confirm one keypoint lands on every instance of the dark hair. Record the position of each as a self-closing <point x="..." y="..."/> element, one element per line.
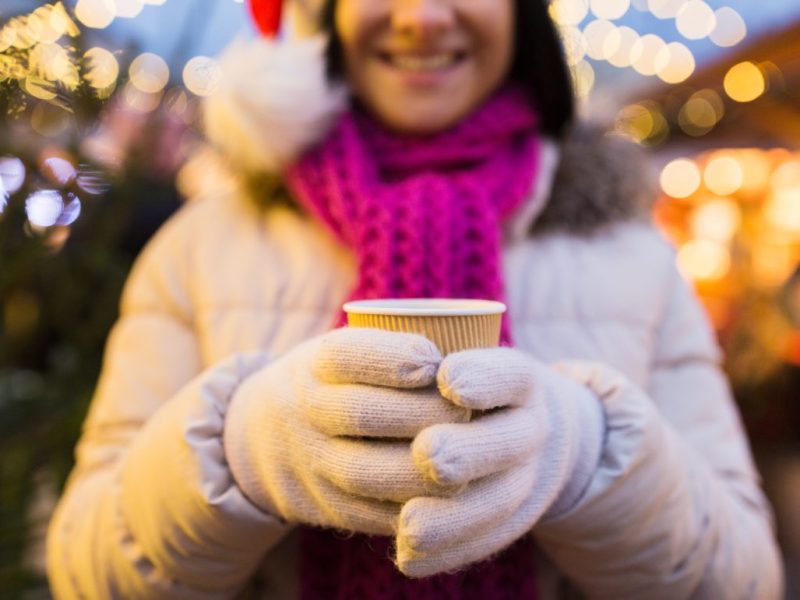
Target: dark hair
<point x="539" y="63"/>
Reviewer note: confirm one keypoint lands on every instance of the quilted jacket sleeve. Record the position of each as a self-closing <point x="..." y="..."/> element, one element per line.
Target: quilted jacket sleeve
<point x="150" y="509"/>
<point x="674" y="509"/>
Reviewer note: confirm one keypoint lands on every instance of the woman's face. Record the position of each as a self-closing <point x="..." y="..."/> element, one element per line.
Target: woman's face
<point x="422" y="65"/>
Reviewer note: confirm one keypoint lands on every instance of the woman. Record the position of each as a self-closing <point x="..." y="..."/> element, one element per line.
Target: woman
<point x="236" y="445"/>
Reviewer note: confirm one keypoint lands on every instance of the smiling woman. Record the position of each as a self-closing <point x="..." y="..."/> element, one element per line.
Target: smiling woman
<point x="423" y="66"/>
<point x="244" y="442"/>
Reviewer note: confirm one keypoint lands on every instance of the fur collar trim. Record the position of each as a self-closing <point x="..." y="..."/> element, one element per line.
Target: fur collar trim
<point x="601" y="179"/>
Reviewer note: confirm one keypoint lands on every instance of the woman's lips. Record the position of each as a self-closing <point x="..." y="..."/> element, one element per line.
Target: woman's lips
<point x="427" y="68"/>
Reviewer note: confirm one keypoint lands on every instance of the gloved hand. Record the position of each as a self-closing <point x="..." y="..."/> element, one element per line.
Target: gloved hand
<point x="530" y="454"/>
<point x="323" y="435"/>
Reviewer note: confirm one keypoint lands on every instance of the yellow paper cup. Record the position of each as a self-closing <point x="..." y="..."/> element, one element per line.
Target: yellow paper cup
<point x="451" y="324"/>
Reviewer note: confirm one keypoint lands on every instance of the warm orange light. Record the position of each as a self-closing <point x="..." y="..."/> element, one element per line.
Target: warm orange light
<point x="783" y="210"/>
<point x="744" y="82"/>
<point x="756" y="170"/>
<point x="704" y="260"/>
<point x="680" y="178"/>
<point x="723" y="175"/>
<point x="716" y="220"/>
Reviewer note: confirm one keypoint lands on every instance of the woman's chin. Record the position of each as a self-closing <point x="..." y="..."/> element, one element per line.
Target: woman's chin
<point x="420" y="119"/>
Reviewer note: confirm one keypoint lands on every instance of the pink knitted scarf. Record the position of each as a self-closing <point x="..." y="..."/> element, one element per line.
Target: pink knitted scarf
<point x="422" y="215"/>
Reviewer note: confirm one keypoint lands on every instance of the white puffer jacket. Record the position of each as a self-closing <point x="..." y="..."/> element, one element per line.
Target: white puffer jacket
<point x="673" y="511"/>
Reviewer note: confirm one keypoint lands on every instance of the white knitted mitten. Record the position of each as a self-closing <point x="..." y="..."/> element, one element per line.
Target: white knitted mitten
<point x="529" y="454"/>
<point x="323" y="435"/>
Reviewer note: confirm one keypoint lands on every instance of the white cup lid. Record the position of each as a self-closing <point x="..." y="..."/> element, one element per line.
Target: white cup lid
<point x="425" y="307"/>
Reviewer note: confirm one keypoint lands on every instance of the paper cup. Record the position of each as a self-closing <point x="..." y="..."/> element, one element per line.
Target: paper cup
<point x="451" y="324"/>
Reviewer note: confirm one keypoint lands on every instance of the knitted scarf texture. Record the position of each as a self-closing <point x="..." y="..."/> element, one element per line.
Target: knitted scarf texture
<point x="423" y="217"/>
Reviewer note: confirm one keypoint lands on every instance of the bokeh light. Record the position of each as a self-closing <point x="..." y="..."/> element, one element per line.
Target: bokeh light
<point x="12" y="173"/>
<point x="786" y="175"/>
<point x="716" y="220"/>
<point x="97" y="14"/>
<point x="723" y="175"/>
<point x="695" y="20"/>
<point x="644" y="53"/>
<point x="595" y="35"/>
<point x="643" y="122"/>
<point x="149" y="73"/>
<point x="782" y="210"/>
<point x="140" y="101"/>
<point x="102" y="69"/>
<point x="610" y="9"/>
<point x="730" y="28"/>
<point x="201" y="75"/>
<point x="71" y="211"/>
<point x="704" y="260"/>
<point x="127" y="9"/>
<point x="680" y="178"/>
<point x="744" y="82"/>
<point x="701" y="112"/>
<point x="756" y="170"/>
<point x="44" y="28"/>
<point x="61" y="21"/>
<point x="618" y="46"/>
<point x="51" y="120"/>
<point x="674" y="63"/>
<point x="44" y="207"/>
<point x="50" y="61"/>
<point x="574" y="45"/>
<point x="665" y="9"/>
<point x="569" y="12"/>
<point x="59" y="170"/>
<point x="584" y="78"/>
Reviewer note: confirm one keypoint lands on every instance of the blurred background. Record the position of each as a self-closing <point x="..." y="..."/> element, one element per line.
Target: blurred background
<point x="99" y="116"/>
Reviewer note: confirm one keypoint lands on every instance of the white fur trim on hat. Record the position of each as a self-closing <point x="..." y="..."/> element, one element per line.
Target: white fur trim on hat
<point x="274" y="102"/>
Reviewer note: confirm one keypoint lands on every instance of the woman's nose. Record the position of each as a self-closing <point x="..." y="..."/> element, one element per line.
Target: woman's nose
<point x="422" y="18"/>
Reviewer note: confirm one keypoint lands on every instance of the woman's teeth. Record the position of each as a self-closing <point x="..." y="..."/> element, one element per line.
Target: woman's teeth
<point x="423" y="63"/>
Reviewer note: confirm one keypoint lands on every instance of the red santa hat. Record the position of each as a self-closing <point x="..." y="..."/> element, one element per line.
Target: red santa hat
<point x="274" y="99"/>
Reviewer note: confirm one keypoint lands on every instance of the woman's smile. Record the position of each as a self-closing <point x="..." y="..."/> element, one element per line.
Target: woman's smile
<point x="422" y="66"/>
